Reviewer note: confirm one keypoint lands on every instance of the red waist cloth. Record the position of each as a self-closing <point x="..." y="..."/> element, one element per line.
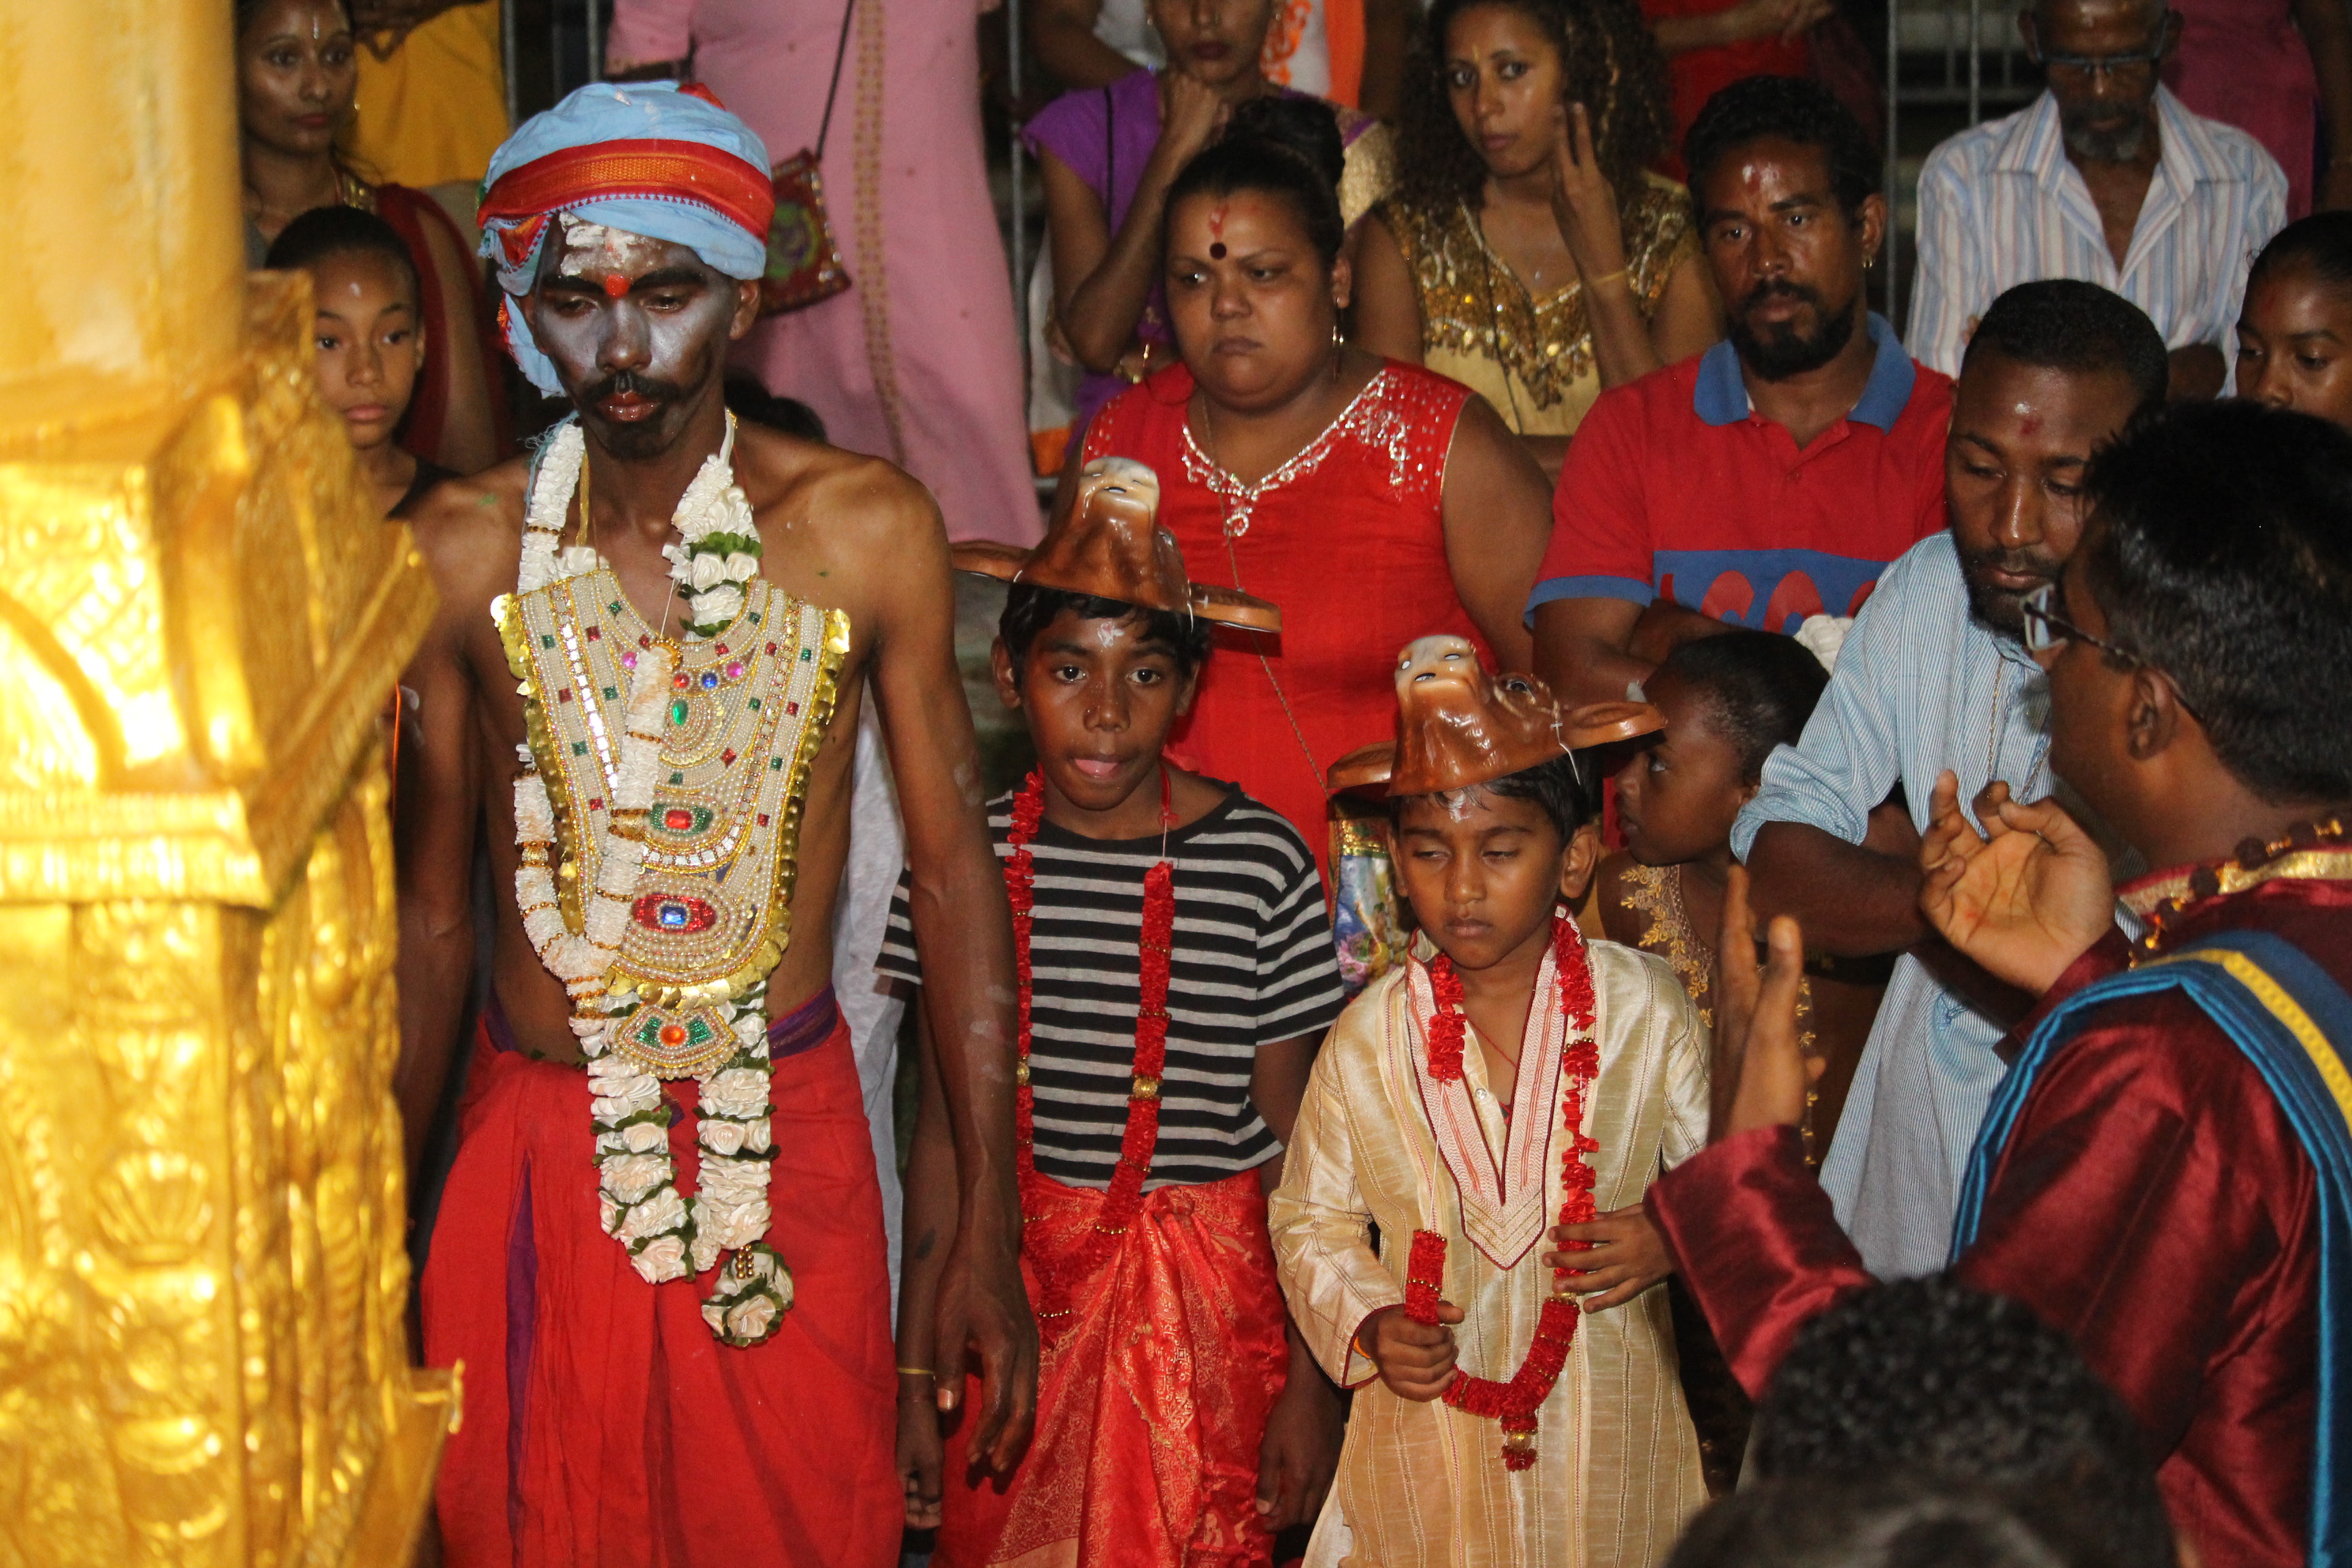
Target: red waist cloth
<point x="603" y="1424"/>
<point x="1151" y="1399"/>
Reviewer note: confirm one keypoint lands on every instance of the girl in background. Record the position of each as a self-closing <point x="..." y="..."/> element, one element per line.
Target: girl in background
<point x="2295" y="330"/>
<point x="1727" y="701"/>
<point x="371" y="339"/>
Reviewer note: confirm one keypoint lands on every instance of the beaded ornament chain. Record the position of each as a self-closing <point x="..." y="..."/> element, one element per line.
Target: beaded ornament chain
<point x="666" y="1235"/>
<point x="1058" y="1278"/>
<point x="1516" y="1402"/>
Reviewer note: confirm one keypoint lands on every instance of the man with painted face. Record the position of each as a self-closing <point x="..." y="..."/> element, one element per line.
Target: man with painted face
<point x="1935" y="676"/>
<point x="660" y="1251"/>
<point x="1772" y="478"/>
<point x="2165" y="1175"/>
<point x="2104" y="178"/>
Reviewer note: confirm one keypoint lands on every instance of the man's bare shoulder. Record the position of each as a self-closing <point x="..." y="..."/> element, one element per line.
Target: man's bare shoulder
<point x="858" y="503"/>
<point x="469" y="532"/>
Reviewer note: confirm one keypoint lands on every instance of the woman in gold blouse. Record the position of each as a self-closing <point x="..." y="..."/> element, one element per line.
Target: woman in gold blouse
<point x="1528" y="251"/>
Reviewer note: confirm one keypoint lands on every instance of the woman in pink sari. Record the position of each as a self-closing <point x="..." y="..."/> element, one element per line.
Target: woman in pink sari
<point x="917" y="362"/>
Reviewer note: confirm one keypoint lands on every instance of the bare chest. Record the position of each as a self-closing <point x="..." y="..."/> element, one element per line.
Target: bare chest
<point x="2118" y="191"/>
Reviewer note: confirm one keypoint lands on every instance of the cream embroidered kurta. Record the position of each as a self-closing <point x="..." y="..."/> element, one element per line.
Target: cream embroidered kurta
<point x="1616" y="1469"/>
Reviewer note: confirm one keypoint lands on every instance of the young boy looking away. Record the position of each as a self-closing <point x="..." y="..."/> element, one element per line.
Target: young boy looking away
<point x="1177" y="974"/>
<point x="1508" y="1080"/>
<point x="369" y="338"/>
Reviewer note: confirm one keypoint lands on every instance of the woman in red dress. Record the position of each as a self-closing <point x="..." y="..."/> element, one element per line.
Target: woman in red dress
<point x="1374" y="502"/>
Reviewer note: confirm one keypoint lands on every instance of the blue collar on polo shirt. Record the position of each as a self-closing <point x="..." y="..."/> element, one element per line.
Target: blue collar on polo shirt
<point x="1720" y="396"/>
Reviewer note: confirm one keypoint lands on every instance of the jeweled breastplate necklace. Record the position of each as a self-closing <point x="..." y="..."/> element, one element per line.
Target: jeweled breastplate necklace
<point x="658" y="813"/>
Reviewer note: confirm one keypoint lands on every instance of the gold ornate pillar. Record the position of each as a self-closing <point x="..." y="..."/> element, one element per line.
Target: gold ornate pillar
<point x="202" y="1271"/>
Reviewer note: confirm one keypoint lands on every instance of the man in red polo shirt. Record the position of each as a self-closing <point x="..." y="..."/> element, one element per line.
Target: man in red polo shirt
<point x="1773" y="476"/>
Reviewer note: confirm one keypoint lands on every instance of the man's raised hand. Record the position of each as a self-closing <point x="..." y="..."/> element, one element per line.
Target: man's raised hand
<point x="2025" y="898"/>
<point x="1756" y="1017"/>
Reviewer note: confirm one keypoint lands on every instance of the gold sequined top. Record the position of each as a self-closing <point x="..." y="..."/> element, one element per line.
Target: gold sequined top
<point x="1530" y="357"/>
<point x="1656" y="892"/>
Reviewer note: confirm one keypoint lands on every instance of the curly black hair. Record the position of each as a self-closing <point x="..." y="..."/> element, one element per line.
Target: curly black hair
<point x="1796" y="108"/>
<point x="1611" y="64"/>
<point x="1896" y="1520"/>
<point x="1938" y="1378"/>
<point x="1759" y="689"/>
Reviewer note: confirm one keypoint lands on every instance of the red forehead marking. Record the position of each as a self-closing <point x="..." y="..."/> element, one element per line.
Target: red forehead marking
<point x="615" y="284"/>
<point x="2032" y="424"/>
<point x="1217" y="222"/>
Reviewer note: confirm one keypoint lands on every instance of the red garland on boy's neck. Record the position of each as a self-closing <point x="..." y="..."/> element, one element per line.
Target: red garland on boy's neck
<point x="1058" y="1278"/>
<point x="1515" y="1403"/>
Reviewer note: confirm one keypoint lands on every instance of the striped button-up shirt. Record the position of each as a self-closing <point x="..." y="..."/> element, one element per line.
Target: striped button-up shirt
<point x="1920" y="685"/>
<point x="2002" y="205"/>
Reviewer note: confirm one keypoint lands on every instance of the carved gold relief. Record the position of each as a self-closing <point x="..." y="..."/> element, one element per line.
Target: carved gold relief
<point x="203" y="1278"/>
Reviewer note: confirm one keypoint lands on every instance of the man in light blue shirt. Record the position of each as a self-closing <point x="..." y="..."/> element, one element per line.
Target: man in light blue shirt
<point x="1931" y="679"/>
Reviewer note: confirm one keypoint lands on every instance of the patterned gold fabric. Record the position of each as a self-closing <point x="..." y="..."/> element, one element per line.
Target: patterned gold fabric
<point x="1616" y="1471"/>
<point x="1370" y="172"/>
<point x="1531" y="358"/>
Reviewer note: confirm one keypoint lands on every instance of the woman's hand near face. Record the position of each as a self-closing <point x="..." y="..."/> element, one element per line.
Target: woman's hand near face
<point x="1583" y="201"/>
<point x="1192" y="115"/>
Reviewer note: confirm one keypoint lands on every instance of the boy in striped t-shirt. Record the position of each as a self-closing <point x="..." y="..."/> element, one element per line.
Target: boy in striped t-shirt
<point x="1177" y="975"/>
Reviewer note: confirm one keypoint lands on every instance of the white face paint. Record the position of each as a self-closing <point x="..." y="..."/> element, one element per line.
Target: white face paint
<point x="637" y="328"/>
<point x="593" y="251"/>
<point x="1459" y="803"/>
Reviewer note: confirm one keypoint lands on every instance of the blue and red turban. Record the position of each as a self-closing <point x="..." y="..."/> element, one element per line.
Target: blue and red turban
<point x="650" y="158"/>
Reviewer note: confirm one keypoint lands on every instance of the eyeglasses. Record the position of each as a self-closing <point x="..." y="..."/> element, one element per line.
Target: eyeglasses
<point x="2108" y="65"/>
<point x="2046" y="629"/>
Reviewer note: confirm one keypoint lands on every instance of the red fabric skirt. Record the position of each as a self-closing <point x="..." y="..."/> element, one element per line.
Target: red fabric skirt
<point x="602" y="1423"/>
<point x="1153" y="1397"/>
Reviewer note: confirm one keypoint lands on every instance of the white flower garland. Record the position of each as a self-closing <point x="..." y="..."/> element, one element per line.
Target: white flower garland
<point x="668" y="1236"/>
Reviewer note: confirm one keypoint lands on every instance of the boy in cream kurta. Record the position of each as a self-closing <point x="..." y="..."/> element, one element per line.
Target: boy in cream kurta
<point x="1383" y="1140"/>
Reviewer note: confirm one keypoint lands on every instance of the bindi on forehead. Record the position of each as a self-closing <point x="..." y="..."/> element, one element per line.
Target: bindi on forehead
<point x="1217" y="232"/>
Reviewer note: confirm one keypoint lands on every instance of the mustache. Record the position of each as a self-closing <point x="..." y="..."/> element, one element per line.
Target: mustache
<point x="2017" y="563"/>
<point x="1778" y="288"/>
<point x="653" y="389"/>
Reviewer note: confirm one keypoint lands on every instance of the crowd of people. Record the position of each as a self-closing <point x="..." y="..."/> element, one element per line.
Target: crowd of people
<point x="1652" y="923"/>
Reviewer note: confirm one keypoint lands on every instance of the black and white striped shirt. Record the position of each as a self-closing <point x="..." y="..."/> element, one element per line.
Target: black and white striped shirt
<point x="1253" y="963"/>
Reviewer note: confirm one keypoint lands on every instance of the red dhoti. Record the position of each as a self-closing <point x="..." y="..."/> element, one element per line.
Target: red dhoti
<point x="1153" y="1397"/>
<point x="602" y="1423"/>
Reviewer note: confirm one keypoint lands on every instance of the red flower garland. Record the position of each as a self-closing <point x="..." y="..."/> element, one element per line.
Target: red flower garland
<point x="1057" y="1280"/>
<point x="1515" y="1403"/>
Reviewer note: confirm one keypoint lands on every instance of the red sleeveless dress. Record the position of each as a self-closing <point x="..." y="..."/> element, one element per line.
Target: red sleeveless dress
<point x="1348" y="537"/>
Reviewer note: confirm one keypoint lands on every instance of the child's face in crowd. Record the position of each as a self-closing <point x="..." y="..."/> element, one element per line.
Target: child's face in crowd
<point x="1099" y="697"/>
<point x="1677" y="799"/>
<point x="1484" y="870"/>
<point x="369" y="343"/>
<point x="2295" y="344"/>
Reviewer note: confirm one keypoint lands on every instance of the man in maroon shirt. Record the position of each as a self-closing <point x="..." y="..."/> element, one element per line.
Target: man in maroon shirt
<point x="2152" y="1196"/>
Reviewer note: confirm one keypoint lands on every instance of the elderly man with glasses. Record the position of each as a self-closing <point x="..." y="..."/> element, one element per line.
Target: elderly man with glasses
<point x="2104" y="178"/>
